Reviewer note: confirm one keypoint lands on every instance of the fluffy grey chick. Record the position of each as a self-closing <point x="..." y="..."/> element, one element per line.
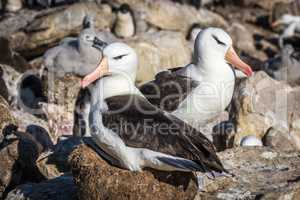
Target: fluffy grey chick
<point x="74" y="56"/>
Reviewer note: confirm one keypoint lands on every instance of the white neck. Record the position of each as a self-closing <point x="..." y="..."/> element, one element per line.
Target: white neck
<point x="215" y="71"/>
<point x="113" y="86"/>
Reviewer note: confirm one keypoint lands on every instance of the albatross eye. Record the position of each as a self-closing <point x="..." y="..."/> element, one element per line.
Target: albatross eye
<point x="218" y="41"/>
<point x="119" y="57"/>
<point x="88" y="38"/>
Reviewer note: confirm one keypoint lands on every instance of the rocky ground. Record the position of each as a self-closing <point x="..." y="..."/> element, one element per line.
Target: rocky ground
<point x="40" y="160"/>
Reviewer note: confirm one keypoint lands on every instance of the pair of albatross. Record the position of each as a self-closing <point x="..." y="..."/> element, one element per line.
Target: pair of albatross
<point x="128" y="128"/>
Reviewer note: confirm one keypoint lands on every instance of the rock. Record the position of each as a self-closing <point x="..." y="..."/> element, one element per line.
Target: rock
<point x="223" y="135"/>
<point x="217" y="130"/>
<point x="60" y="121"/>
<point x="11" y="78"/>
<point x="168" y="15"/>
<point x="41" y="135"/>
<point x="36" y="63"/>
<point x="13" y="5"/>
<point x="14" y="23"/>
<point x="56" y="163"/>
<point x="12" y="58"/>
<point x="49" y="29"/>
<point x="242" y="38"/>
<point x="279" y="140"/>
<point x="27" y="122"/>
<point x="284" y="7"/>
<point x="260" y="173"/>
<point x="266" y="4"/>
<point x="6" y="118"/>
<point x="30" y="93"/>
<point x="159" y="50"/>
<point x="3" y="89"/>
<point x="61" y="91"/>
<point x="59" y="188"/>
<point x="18" y="155"/>
<point x="173" y="16"/>
<point x="61" y="94"/>
<point x="24" y="90"/>
<point x="261" y="103"/>
<point x="98" y="180"/>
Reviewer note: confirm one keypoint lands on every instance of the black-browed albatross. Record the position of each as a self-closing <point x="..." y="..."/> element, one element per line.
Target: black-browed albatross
<point x="128" y="128"/>
<point x="204" y="88"/>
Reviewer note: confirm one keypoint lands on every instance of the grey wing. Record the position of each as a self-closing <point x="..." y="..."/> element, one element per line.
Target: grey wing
<point x="50" y="56"/>
<point x="61" y="59"/>
<point x="142" y="125"/>
<point x="68" y="59"/>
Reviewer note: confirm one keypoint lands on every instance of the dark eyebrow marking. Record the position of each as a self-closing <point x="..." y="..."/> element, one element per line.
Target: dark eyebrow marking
<point x="119" y="57"/>
<point x="218" y="41"/>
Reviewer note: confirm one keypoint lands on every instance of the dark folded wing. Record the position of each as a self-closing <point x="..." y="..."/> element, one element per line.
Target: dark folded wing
<point x="142" y="125"/>
<point x="168" y="89"/>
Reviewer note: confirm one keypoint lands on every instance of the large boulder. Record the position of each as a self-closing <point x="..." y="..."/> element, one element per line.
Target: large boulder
<point x="98" y="180"/>
<point x="18" y="154"/>
<point x="13" y="5"/>
<point x="266" y="4"/>
<point x="242" y="38"/>
<point x="24" y="90"/>
<point x="59" y="188"/>
<point x="158" y="51"/>
<point x="11" y="78"/>
<point x="3" y="89"/>
<point x="168" y="15"/>
<point x="284" y="7"/>
<point x="37" y="127"/>
<point x="6" y="118"/>
<point x="280" y="140"/>
<point x="12" y="58"/>
<point x="61" y="91"/>
<point x="261" y="102"/>
<point x="13" y="23"/>
<point x="43" y="31"/>
<point x="258" y="173"/>
<point x="61" y="94"/>
<point x="54" y="164"/>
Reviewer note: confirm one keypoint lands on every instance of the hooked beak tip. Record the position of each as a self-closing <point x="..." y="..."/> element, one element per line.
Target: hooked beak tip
<point x="232" y="57"/>
<point x="82" y="84"/>
<point x="248" y="72"/>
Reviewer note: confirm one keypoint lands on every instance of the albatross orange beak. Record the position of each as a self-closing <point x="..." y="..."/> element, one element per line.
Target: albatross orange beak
<point x="232" y="57"/>
<point x="99" y="72"/>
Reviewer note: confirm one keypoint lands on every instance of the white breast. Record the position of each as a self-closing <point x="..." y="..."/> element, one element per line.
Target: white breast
<point x="210" y="98"/>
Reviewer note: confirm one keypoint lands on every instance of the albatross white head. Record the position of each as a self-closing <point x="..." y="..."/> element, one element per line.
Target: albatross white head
<point x="214" y="51"/>
<point x="116" y="72"/>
